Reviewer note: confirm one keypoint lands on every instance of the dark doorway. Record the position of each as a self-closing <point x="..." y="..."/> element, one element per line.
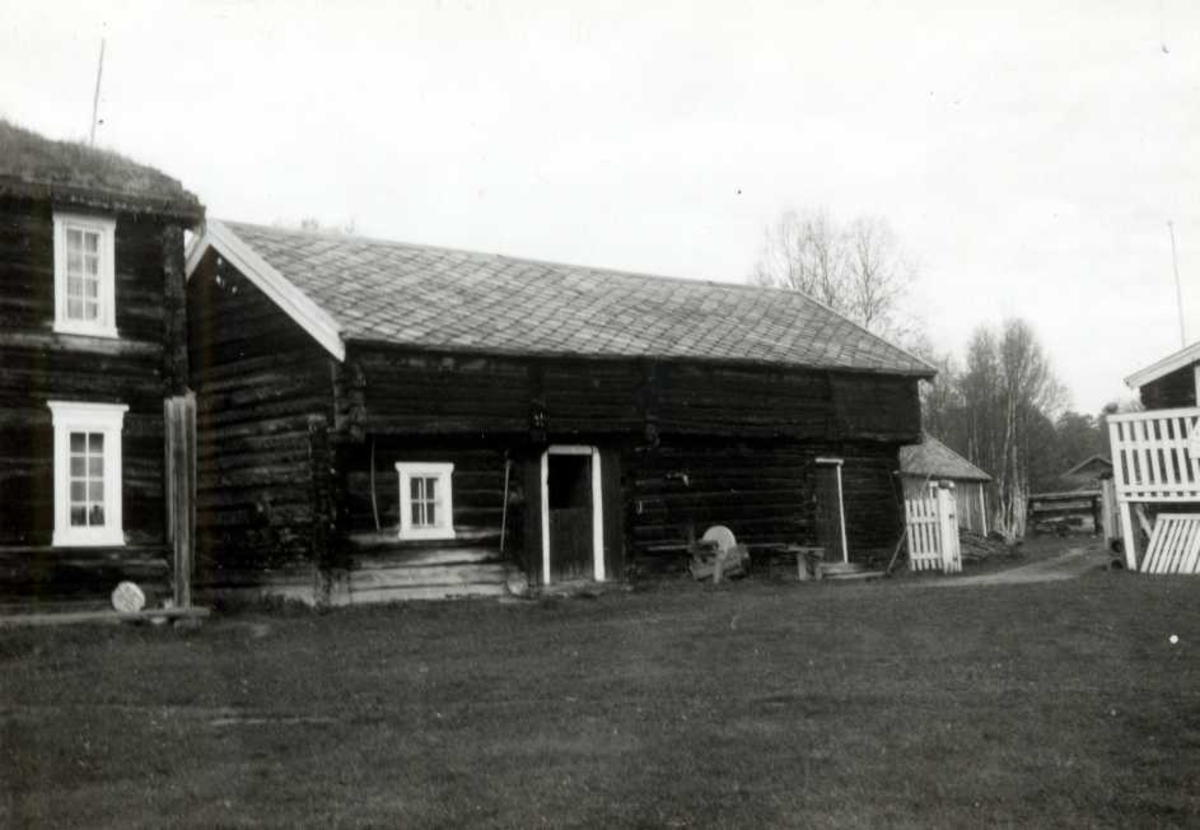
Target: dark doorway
<point x="830" y="521"/>
<point x="569" y="495"/>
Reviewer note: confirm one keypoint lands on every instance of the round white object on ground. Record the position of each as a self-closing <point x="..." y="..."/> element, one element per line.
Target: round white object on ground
<point x="128" y="598"/>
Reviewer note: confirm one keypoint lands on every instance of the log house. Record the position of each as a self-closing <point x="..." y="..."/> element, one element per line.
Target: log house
<point x="92" y="340"/>
<point x="385" y="421"/>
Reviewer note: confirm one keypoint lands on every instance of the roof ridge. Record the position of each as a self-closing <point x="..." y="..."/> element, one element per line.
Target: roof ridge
<point x="739" y="286"/>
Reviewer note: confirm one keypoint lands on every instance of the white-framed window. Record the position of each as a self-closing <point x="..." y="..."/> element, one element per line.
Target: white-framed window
<point x="85" y="275"/>
<point x="87" y="473"/>
<point x="426" y="500"/>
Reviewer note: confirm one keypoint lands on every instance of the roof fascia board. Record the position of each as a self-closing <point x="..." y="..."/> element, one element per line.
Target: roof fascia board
<point x="1169" y="364"/>
<point x="278" y="288"/>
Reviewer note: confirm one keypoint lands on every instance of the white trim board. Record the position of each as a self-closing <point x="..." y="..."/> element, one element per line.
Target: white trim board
<point x="279" y="289"/>
<point x="597" y="508"/>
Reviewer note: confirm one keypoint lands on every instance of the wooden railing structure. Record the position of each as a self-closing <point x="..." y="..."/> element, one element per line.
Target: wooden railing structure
<point x="1156" y="460"/>
<point x="932" y="525"/>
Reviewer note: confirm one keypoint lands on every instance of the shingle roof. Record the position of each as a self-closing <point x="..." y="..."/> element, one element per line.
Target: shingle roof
<point x="75" y="174"/>
<point x="934" y="459"/>
<point x="447" y="299"/>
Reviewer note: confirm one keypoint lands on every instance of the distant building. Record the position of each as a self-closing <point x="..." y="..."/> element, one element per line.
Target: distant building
<point x="932" y="461"/>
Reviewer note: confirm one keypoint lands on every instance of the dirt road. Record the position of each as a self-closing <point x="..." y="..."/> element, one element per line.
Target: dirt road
<point x="1067" y="565"/>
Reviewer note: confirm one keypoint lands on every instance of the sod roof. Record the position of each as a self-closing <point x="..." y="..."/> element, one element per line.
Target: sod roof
<point x="72" y="173"/>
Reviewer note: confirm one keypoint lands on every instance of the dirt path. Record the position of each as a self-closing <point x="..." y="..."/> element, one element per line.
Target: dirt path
<point x="1066" y="565"/>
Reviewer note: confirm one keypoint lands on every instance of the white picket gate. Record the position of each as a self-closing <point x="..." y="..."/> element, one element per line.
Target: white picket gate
<point x="931" y="519"/>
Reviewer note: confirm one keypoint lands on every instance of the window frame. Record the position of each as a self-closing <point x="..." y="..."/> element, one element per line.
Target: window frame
<point x="443" y="472"/>
<point x="109" y="420"/>
<point x="105" y="324"/>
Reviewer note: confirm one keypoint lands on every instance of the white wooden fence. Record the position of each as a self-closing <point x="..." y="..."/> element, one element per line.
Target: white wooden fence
<point x="1155" y="456"/>
<point x="931" y="518"/>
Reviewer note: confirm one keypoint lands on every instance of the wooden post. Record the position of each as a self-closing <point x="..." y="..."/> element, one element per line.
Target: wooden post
<point x="1129" y="536"/>
<point x="179" y="417"/>
<point x="947" y="528"/>
<point x="1114" y="441"/>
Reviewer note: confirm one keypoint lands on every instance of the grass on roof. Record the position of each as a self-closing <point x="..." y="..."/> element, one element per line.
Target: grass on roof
<point x="33" y="159"/>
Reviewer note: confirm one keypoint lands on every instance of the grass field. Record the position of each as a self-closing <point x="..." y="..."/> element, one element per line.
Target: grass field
<point x="886" y="704"/>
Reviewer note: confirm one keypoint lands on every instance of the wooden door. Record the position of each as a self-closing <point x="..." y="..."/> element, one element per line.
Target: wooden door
<point x="569" y="495"/>
<point x="831" y="527"/>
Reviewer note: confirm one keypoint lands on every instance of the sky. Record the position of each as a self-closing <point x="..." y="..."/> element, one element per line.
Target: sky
<point x="1029" y="157"/>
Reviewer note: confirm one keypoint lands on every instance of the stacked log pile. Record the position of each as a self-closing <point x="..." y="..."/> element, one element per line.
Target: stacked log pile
<point x="975" y="547"/>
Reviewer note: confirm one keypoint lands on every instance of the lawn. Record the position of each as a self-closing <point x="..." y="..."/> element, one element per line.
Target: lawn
<point x="751" y="704"/>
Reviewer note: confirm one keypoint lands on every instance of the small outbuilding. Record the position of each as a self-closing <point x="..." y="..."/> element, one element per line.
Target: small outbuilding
<point x="931" y="461"/>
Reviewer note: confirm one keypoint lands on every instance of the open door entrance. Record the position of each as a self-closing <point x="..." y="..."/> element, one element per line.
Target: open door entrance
<point x="572" y="517"/>
<point x="831" y="520"/>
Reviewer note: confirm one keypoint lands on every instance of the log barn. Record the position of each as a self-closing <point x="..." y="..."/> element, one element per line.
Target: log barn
<point x="384" y="421"/>
<point x="92" y="341"/>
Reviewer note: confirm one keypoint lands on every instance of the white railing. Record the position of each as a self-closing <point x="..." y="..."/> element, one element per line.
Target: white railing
<point x="1155" y="458"/>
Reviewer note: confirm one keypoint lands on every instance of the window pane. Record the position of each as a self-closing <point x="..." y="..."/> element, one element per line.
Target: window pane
<point x="96" y="442"/>
<point x="78" y="441"/>
<point x="79" y="516"/>
<point x="78" y="465"/>
<point x="90" y="311"/>
<point x="96" y="515"/>
<point x="418" y="514"/>
<point x="430" y="515"/>
<point x="75" y="309"/>
<point x="96" y="491"/>
<point x="431" y="488"/>
<point x="92" y="242"/>
<point x="74" y="286"/>
<point x="74" y="264"/>
<point x="78" y="491"/>
<point x="91" y="289"/>
<point x="74" y="239"/>
<point x="95" y="466"/>
<point x="416" y="488"/>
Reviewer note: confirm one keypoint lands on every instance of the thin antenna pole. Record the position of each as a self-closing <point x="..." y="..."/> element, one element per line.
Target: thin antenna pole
<point x="1178" y="287"/>
<point x="96" y="96"/>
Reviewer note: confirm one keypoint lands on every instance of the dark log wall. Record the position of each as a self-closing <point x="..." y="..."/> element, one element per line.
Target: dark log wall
<point x="37" y="365"/>
<point x="477" y="485"/>
<point x="406" y="392"/>
<point x="762" y="490"/>
<point x="1177" y="389"/>
<point x="265" y="402"/>
<point x="695" y="444"/>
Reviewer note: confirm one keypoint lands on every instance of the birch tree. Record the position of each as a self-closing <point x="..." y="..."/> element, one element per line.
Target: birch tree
<point x="858" y="269"/>
<point x="1008" y="390"/>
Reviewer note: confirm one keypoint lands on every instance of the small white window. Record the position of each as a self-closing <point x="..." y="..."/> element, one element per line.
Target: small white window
<point x="84" y="275"/>
<point x="87" y="473"/>
<point x="426" y="500"/>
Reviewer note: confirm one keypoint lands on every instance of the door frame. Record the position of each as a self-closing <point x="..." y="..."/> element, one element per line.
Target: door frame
<point x="841" y="504"/>
<point x="597" y="507"/>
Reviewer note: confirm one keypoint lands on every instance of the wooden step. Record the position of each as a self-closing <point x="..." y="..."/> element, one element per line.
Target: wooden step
<point x="854" y="575"/>
<point x="400" y="558"/>
<point x="443" y="575"/>
<point x="829" y="569"/>
<point x="424" y="592"/>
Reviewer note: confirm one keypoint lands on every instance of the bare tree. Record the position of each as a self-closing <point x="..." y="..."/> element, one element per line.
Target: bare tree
<point x="1009" y="394"/>
<point x="858" y="269"/>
